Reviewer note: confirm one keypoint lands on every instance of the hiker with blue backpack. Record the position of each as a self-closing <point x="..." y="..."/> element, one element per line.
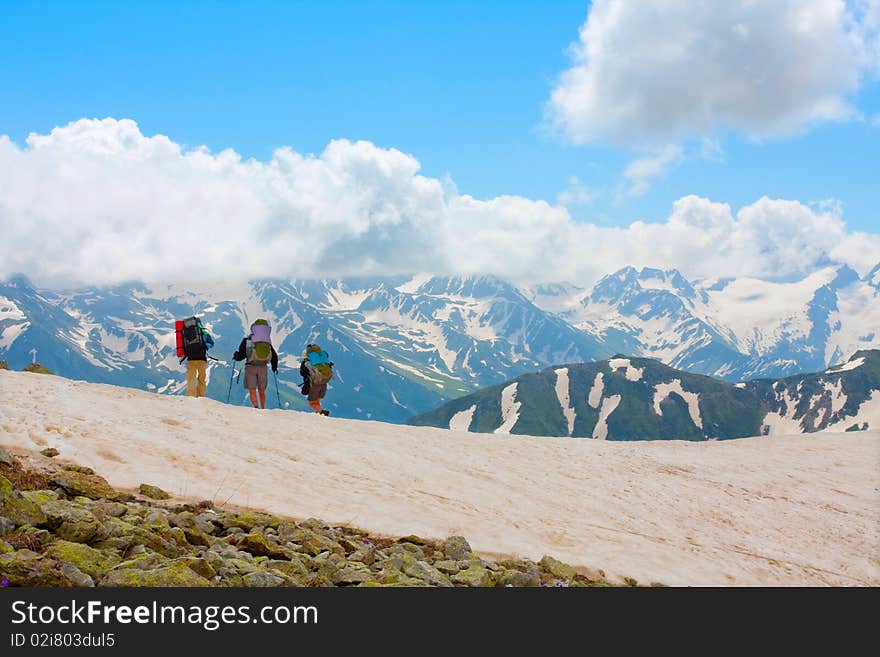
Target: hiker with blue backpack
<point x="258" y="351"/>
<point x="316" y="370"/>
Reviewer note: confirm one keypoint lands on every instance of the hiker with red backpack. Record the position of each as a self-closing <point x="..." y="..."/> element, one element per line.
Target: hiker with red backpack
<point x="193" y="342"/>
<point x="258" y="351"/>
<point x="316" y="370"/>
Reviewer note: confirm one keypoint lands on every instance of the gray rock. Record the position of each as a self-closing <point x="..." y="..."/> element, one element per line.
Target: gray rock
<point x="262" y="579"/>
<point x="6" y="526"/>
<point x="457" y="548"/>
<point x="70" y="521"/>
<point x="557" y="568"/>
<point x="518" y="578"/>
<point x="423" y="571"/>
<point x="475" y="575"/>
<point x="153" y="492"/>
<point x="76" y="576"/>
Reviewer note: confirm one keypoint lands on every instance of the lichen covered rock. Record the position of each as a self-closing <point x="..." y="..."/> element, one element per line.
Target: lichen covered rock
<point x="174" y="574"/>
<point x="153" y="492"/>
<point x="87" y="559"/>
<point x="17" y="508"/>
<point x="92" y="486"/>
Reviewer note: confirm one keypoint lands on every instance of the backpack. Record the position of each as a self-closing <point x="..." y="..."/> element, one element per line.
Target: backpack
<point x="318" y="365"/>
<point x="190" y="339"/>
<point x="259" y="344"/>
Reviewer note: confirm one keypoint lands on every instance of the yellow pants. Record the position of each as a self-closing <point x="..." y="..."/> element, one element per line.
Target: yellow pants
<point x="196" y="378"/>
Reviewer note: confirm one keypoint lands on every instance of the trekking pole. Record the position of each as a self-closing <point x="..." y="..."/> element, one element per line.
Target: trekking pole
<point x="229" y="392"/>
<point x="277" y="394"/>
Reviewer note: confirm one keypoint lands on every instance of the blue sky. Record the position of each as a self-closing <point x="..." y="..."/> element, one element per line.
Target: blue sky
<point x="459" y="85"/>
<point x="729" y="103"/>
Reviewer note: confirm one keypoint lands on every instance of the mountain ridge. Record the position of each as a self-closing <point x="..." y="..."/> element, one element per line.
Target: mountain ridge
<point x="630" y="398"/>
<point x="404" y="345"/>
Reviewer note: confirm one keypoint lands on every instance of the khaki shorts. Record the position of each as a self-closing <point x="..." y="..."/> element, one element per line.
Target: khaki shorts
<point x="256" y="377"/>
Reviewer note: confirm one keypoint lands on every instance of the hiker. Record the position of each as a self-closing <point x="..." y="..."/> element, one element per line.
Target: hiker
<point x="193" y="342"/>
<point x="257" y="349"/>
<point x="316" y="370"/>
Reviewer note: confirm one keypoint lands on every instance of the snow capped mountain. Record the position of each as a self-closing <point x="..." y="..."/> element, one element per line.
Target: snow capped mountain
<point x="735" y="328"/>
<point x="404" y="345"/>
<point x="845" y="397"/>
<point x="642" y="399"/>
<point x="401" y="346"/>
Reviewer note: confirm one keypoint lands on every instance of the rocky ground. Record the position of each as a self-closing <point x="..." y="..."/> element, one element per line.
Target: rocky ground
<point x="64" y="525"/>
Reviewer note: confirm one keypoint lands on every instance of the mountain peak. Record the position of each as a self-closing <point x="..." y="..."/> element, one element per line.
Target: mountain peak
<point x="18" y="280"/>
<point x="476" y="286"/>
<point x="628" y="282"/>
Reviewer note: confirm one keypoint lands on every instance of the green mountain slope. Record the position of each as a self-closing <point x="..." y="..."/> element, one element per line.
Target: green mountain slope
<point x="626" y="398"/>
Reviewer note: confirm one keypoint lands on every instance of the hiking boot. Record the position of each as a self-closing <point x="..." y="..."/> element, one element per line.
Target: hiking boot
<point x="325" y="412"/>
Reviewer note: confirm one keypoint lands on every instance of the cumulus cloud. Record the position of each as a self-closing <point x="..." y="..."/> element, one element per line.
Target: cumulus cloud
<point x="98" y="202"/>
<point x="658" y="71"/>
<point x="641" y="171"/>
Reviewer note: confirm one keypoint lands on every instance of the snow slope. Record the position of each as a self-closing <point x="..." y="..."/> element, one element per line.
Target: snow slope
<point x="763" y="511"/>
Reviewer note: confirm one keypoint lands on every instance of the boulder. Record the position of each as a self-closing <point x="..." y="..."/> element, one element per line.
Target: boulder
<point x="6" y="526"/>
<point x="259" y="545"/>
<point x="263" y="579"/>
<point x="293" y="567"/>
<point x="173" y="574"/>
<point x="50" y="452"/>
<point x="75" y="575"/>
<point x="558" y="569"/>
<point x="73" y="467"/>
<point x="447" y="566"/>
<point x="476" y="574"/>
<point x="153" y="492"/>
<point x="17" y="508"/>
<point x="312" y="543"/>
<point x="423" y="571"/>
<point x="352" y="573"/>
<point x="27" y="568"/>
<point x="518" y="578"/>
<point x="199" y="565"/>
<point x="112" y="509"/>
<point x="457" y="548"/>
<point x="70" y="521"/>
<point x="246" y="520"/>
<point x="88" y="485"/>
<point x="90" y="561"/>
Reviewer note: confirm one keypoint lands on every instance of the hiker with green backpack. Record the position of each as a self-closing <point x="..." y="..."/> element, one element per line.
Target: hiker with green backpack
<point x="258" y="351"/>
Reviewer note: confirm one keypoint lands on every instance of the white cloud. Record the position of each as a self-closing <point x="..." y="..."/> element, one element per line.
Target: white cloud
<point x="641" y="171"/>
<point x="98" y="202"/>
<point x="658" y="71"/>
<point x="577" y="193"/>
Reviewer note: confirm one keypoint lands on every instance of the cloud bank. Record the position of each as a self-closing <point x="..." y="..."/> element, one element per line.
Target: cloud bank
<point x="654" y="72"/>
<point x="98" y="202"/>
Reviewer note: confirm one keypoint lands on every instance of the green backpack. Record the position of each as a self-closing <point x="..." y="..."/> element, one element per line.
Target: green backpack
<point x="259" y="344"/>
